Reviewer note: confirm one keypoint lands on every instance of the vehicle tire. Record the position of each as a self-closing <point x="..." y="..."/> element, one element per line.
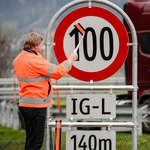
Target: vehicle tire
<point x="146" y="125"/>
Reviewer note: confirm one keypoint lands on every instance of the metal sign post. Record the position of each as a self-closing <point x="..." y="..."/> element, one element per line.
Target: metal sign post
<point x="132" y="87"/>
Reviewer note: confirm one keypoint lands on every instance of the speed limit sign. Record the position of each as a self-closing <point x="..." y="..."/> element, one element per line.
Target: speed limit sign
<point x="103" y="49"/>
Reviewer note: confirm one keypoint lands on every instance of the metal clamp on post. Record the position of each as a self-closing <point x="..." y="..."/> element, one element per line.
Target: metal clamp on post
<point x="132" y="44"/>
<point x="111" y="91"/>
<point x="91" y="83"/>
<point x="89" y="4"/>
<point x="69" y="126"/>
<point x="111" y="119"/>
<point x="109" y="126"/>
<point x="136" y="88"/>
<point x="136" y="128"/>
<point x="71" y="91"/>
<point x="50" y="118"/>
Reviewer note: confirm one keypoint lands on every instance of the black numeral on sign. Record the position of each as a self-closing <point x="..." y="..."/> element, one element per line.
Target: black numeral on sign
<point x="82" y="144"/>
<point x="75" y="141"/>
<point x="85" y="49"/>
<point x="92" y="143"/>
<point x="76" y="33"/>
<point x="92" y="137"/>
<point x="90" y="30"/>
<point x="106" y="29"/>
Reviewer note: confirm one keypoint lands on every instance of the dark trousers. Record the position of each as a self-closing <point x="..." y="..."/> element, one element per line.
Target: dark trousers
<point x="35" y="124"/>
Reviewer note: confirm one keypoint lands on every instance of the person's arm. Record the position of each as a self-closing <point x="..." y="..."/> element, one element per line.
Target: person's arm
<point x="51" y="70"/>
<point x="56" y="72"/>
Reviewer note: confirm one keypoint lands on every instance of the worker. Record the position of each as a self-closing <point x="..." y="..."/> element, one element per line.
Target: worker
<point x="34" y="75"/>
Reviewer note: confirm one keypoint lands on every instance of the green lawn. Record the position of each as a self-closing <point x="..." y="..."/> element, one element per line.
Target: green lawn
<point x="62" y="102"/>
<point x="14" y="140"/>
<point x="10" y="134"/>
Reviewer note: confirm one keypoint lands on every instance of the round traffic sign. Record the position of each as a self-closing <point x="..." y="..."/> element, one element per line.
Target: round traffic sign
<point x="103" y="49"/>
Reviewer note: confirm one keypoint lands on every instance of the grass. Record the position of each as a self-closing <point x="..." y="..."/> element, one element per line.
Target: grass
<point x="14" y="140"/>
<point x="62" y="102"/>
<point x="10" y="134"/>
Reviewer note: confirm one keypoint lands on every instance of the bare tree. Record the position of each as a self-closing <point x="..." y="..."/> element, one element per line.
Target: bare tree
<point x="7" y="55"/>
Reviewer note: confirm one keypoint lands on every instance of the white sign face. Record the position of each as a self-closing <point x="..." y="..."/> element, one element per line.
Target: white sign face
<point x="98" y="106"/>
<point x="91" y="140"/>
<point x="92" y="56"/>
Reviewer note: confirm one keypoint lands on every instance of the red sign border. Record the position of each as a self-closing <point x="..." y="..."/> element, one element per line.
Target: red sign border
<point x="114" y="21"/>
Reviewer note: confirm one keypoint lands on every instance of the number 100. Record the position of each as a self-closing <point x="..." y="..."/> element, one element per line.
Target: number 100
<point x="94" y="39"/>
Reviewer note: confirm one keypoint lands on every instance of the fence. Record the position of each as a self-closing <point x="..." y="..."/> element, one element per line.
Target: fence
<point x="123" y="114"/>
<point x="13" y="145"/>
<point x="8" y="86"/>
<point x="9" y="115"/>
<point x="9" y="111"/>
<point x="122" y="143"/>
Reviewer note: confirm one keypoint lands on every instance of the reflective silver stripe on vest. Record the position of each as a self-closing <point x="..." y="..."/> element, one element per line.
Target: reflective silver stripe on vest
<point x="33" y="79"/>
<point x="35" y="101"/>
<point x="67" y="65"/>
<point x="50" y="70"/>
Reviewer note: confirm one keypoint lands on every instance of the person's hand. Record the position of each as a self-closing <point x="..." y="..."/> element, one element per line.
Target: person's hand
<point x="73" y="57"/>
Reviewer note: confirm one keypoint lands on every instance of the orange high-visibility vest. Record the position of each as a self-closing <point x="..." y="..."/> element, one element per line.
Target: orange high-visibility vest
<point x="34" y="73"/>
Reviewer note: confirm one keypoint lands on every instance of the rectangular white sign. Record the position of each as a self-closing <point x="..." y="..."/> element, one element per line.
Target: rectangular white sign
<point x="91" y="140"/>
<point x="88" y="106"/>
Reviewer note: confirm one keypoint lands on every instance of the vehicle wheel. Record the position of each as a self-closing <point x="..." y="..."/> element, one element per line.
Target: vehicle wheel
<point x="146" y="125"/>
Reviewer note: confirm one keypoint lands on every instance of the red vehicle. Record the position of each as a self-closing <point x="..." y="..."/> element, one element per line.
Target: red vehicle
<point x="139" y="13"/>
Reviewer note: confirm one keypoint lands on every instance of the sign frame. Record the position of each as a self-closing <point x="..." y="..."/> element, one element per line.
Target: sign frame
<point x="48" y="47"/>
